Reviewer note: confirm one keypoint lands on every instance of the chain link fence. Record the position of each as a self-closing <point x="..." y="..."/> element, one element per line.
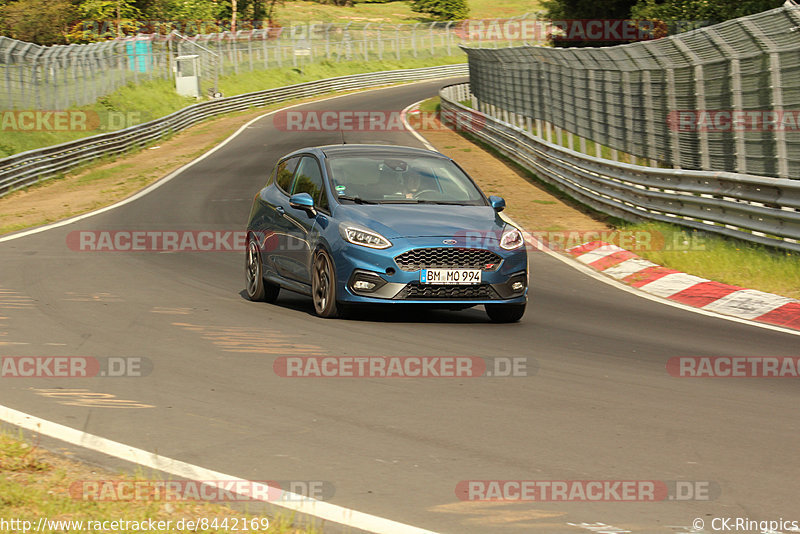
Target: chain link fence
<point x="64" y="76"/>
<point x="721" y="98"/>
<point x="58" y="77"/>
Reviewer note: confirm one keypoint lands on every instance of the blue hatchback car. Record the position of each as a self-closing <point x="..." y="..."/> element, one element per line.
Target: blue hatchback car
<point x="375" y="224"/>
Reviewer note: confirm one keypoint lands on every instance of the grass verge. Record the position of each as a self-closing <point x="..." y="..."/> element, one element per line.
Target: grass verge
<point x="393" y="11"/>
<point x="35" y="484"/>
<point x="727" y="260"/>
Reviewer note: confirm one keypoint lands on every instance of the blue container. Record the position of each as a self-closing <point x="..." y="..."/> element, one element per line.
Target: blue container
<point x="140" y="55"/>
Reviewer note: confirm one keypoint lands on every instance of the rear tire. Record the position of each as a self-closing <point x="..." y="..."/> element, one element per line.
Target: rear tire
<point x="323" y="285"/>
<point x="505" y="313"/>
<point x="258" y="290"/>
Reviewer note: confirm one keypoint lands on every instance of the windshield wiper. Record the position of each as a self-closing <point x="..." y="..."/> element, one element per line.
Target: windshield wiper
<point x="356" y="199"/>
<point x="422" y="201"/>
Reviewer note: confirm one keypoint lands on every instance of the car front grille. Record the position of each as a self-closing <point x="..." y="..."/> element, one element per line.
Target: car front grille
<point x="415" y="290"/>
<point x="448" y="258"/>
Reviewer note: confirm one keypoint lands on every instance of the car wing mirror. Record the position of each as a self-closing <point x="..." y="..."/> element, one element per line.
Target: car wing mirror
<point x="303" y="201"/>
<point x="498" y="204"/>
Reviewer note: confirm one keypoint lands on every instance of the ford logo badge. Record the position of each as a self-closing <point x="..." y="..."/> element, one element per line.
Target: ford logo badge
<point x="449" y="241"/>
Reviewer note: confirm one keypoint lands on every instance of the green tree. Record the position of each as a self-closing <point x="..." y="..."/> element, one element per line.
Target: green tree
<point x="341" y="3"/>
<point x="269" y="9"/>
<point x="105" y="19"/>
<point x="42" y="22"/>
<point x="688" y="11"/>
<point x="169" y="10"/>
<point x="187" y="16"/>
<point x="564" y="10"/>
<point x="442" y="9"/>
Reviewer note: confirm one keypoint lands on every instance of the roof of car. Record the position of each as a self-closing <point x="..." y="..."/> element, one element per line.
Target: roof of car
<point x="341" y="150"/>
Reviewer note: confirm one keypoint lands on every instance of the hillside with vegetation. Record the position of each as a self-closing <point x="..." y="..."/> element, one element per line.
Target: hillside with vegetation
<point x="49" y="22"/>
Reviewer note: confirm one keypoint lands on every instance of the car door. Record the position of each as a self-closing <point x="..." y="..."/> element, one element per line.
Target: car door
<point x="308" y="179"/>
<point x="276" y="228"/>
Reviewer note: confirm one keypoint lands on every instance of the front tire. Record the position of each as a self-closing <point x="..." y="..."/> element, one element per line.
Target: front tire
<point x="505" y="313"/>
<point x="323" y="285"/>
<point x="258" y="290"/>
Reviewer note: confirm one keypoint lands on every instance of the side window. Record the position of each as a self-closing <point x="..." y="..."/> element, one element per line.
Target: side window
<point x="285" y="172"/>
<point x="309" y="180"/>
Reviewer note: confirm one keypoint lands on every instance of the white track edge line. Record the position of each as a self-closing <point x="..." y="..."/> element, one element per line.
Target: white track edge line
<point x="420" y="138"/>
<point x="297" y="503"/>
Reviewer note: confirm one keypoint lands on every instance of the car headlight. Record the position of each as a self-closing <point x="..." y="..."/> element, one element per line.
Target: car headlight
<point x="511" y="239"/>
<point x="366" y="238"/>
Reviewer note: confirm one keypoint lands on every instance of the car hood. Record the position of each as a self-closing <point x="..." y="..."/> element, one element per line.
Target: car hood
<point x="423" y="220"/>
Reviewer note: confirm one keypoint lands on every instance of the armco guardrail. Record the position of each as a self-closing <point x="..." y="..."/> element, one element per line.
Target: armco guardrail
<point x="755" y="208"/>
<point x="33" y="166"/>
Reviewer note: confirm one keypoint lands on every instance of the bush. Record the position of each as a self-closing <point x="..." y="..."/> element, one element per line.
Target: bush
<point x="442" y="9"/>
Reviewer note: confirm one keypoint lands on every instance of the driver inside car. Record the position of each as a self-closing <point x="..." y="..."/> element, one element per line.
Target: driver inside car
<point x="412" y="183"/>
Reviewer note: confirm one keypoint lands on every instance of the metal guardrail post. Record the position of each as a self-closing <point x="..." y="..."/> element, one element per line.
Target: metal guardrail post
<point x="380" y="42"/>
<point x="628" y="103"/>
<point x="397" y="42"/>
<point x="777" y="92"/>
<point x="649" y="115"/>
<point x="36" y="68"/>
<point x="449" y="36"/>
<point x="365" y="40"/>
<point x="264" y="49"/>
<point x="700" y="95"/>
<point x="250" y="49"/>
<point x="672" y="105"/>
<point x="8" y="44"/>
<point x="736" y="94"/>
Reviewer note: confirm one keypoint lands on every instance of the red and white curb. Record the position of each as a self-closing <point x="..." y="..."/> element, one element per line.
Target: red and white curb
<point x="694" y="291"/>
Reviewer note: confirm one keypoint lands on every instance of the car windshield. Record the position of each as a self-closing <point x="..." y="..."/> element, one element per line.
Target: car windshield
<point x="401" y="180"/>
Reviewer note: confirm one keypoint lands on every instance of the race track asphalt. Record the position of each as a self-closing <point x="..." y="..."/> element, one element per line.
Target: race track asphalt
<point x="599" y="406"/>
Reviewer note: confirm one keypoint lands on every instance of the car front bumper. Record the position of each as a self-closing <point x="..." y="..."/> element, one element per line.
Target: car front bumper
<point x="393" y="284"/>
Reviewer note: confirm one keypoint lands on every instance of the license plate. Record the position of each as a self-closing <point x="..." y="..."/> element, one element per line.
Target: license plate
<point x="450" y="276"/>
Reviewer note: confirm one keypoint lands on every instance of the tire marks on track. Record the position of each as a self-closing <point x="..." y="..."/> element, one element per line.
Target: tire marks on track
<point x="250" y="340"/>
<point x="88" y="399"/>
<point x="12" y="300"/>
